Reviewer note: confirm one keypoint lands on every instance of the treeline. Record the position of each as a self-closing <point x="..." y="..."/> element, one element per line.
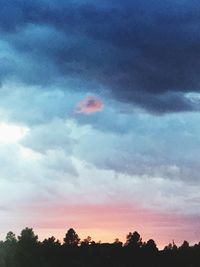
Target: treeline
<point x="27" y="251"/>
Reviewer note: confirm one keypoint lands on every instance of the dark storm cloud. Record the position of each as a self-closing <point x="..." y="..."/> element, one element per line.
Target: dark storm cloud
<point x="143" y="52"/>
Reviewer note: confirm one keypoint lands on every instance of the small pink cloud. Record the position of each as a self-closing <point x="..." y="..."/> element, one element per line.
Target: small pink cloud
<point x="90" y="105"/>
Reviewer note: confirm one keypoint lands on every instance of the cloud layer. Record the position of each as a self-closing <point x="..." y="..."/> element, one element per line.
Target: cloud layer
<point x="144" y="53"/>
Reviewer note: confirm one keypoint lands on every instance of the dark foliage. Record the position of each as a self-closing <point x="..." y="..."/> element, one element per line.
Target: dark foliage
<point x="27" y="251"/>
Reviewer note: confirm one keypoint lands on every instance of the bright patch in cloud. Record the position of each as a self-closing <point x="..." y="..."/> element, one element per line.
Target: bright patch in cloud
<point x="90" y="105"/>
<point x="10" y="133"/>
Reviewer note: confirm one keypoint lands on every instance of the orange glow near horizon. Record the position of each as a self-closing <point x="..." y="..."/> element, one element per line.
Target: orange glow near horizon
<point x="107" y="222"/>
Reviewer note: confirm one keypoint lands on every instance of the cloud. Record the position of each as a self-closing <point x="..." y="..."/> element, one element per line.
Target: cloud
<point x="33" y="182"/>
<point x="11" y="133"/>
<point x="149" y="145"/>
<point x="54" y="135"/>
<point x="142" y="53"/>
<point x="90" y="105"/>
<point x="143" y="145"/>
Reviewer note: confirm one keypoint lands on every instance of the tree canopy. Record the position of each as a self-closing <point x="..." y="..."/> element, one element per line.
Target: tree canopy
<point x="27" y="250"/>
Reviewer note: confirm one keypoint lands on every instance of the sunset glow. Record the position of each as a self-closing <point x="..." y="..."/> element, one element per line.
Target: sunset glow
<point x="100" y="119"/>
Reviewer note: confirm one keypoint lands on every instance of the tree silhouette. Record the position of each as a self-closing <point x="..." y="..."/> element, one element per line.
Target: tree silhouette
<point x="185" y="245"/>
<point x="133" y="240"/>
<point x="171" y="246"/>
<point x="28" y="248"/>
<point x="71" y="238"/>
<point x="27" y="251"/>
<point x="87" y="241"/>
<point x="51" y="242"/>
<point x="10" y="245"/>
<point x="11" y="238"/>
<point x="117" y="242"/>
<point x="151" y="246"/>
<point x="27" y="237"/>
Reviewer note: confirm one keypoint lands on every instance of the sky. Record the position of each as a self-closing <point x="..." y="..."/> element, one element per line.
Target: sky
<point x="99" y="118"/>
